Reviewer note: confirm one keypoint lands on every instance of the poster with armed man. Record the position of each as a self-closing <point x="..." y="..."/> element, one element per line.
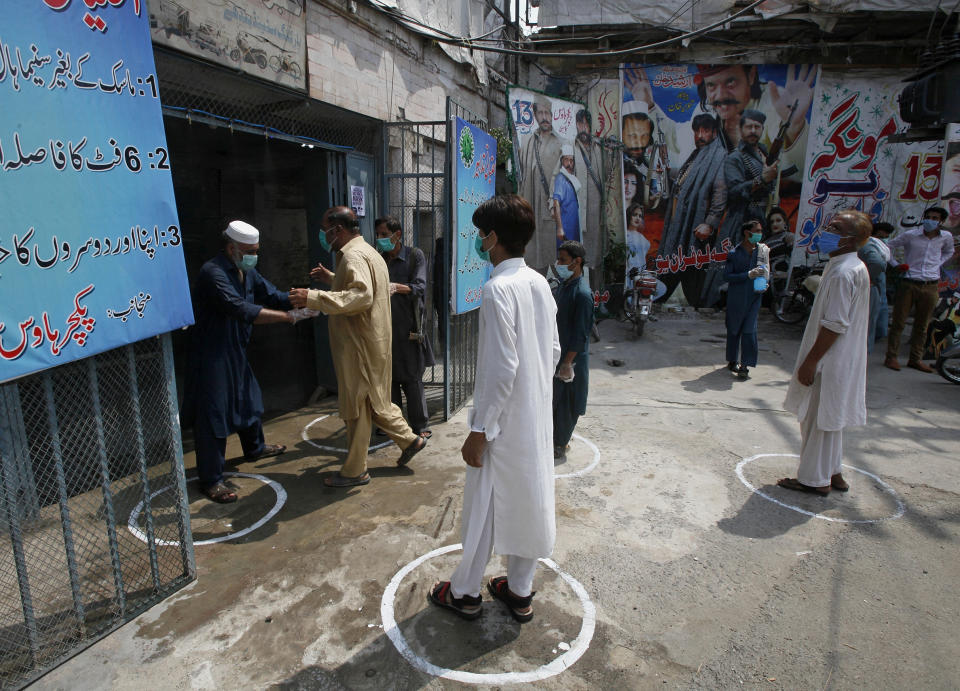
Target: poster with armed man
<point x="564" y="170"/>
<point x="707" y="147"/>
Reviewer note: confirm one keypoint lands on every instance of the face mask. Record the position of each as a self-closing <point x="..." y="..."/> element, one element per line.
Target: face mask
<point x="385" y="244"/>
<point x="828" y="242"/>
<point x="478" y="246"/>
<point x="563" y="271"/>
<point x="324" y="243"/>
<point x="930" y="225"/>
<point x="755" y="237"/>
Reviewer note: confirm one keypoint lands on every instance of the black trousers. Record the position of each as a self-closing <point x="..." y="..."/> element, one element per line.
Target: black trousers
<point x="210" y="449"/>
<point x="416" y="397"/>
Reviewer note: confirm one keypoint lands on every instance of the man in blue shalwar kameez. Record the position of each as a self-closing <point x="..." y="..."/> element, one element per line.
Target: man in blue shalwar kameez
<point x="574" y="324"/>
<point x="222" y="395"/>
<point x="743" y="302"/>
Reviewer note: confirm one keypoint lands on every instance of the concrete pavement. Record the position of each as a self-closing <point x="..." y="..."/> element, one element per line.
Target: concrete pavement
<point x="696" y="580"/>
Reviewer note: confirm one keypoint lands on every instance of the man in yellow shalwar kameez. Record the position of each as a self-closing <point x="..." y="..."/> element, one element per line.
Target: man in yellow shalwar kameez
<point x="360" y="340"/>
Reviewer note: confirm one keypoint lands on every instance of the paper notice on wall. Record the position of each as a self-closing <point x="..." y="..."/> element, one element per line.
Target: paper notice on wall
<point x="358" y="200"/>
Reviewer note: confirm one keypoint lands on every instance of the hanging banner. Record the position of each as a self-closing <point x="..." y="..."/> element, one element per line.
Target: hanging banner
<point x="474" y="176"/>
<point x="90" y="250"/>
<point x="852" y="165"/>
<point x="264" y="38"/>
<point x="692" y="175"/>
<point x="950" y="200"/>
<point x="561" y="172"/>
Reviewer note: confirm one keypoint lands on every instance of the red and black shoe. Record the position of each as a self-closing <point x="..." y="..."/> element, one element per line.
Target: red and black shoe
<point x="520" y="607"/>
<point x="467" y="607"/>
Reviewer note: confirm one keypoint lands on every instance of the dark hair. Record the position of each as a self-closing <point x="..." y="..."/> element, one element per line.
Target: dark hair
<point x="883" y="227"/>
<point x="511" y="217"/>
<point x="635" y="206"/>
<point x="752" y="114"/>
<point x="344" y="216"/>
<point x="704" y="121"/>
<point x="939" y="210"/>
<point x="575" y="250"/>
<point x="777" y="210"/>
<point x="756" y="91"/>
<point x="391" y="222"/>
<point x="583" y="115"/>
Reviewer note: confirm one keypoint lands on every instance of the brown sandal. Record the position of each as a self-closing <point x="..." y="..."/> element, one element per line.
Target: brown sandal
<point x="220" y="493"/>
<point x="797" y="486"/>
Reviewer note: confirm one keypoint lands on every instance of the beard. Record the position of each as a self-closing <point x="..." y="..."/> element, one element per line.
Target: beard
<point x="584" y="137"/>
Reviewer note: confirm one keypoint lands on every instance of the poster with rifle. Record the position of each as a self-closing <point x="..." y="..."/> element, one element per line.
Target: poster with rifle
<point x="707" y="147"/>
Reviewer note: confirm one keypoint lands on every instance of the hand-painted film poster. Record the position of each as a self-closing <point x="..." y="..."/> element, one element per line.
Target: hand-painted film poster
<point x="265" y="38"/>
<point x="561" y="172"/>
<point x="950" y="200"/>
<point x="692" y="175"/>
<point x="474" y="176"/>
<point x="90" y="249"/>
<point x="851" y="164"/>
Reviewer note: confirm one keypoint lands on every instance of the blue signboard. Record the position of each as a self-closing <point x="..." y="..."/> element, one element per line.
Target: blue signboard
<point x="474" y="175"/>
<point x="91" y="253"/>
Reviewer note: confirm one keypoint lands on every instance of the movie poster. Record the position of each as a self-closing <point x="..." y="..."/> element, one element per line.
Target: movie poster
<point x="559" y="171"/>
<point x="851" y="164"/>
<point x="706" y="148"/>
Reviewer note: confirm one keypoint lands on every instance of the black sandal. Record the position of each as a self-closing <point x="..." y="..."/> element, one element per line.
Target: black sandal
<point x="501" y="591"/>
<point x="467" y="607"/>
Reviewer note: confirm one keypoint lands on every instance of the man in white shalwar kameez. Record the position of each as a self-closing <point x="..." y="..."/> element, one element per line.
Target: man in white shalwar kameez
<point x="828" y="388"/>
<point x="509" y="491"/>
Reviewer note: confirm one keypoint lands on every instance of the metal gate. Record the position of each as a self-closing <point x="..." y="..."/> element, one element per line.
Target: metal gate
<point x="417" y="159"/>
<point x="94" y="525"/>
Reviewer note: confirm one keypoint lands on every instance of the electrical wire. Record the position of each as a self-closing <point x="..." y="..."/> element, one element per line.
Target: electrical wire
<point x="439" y="37"/>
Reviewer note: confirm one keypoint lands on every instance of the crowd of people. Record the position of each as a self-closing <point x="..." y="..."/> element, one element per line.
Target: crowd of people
<point x="533" y="346"/>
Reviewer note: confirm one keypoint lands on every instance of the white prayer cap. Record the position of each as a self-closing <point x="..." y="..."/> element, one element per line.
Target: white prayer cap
<point x="634" y="107"/>
<point x="242" y="232"/>
<point x="566" y="150"/>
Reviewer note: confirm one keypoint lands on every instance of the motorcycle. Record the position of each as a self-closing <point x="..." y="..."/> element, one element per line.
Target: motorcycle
<point x="793" y="306"/>
<point x="943" y="337"/>
<point x="948" y="364"/>
<point x="638" y="301"/>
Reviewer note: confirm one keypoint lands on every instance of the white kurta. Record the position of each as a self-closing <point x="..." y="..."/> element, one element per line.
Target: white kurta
<point x="518" y="355"/>
<point x="842" y="306"/>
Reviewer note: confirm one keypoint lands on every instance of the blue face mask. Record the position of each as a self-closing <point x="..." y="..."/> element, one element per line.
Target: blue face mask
<point x="247" y="261"/>
<point x="478" y="246"/>
<point x="755" y="237"/>
<point x="930" y="225"/>
<point x="324" y="243"/>
<point x="385" y="244"/>
<point x="563" y="271"/>
<point x="828" y="242"/>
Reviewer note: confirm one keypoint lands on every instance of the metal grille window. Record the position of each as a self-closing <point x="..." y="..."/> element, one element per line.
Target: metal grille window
<point x="417" y="159"/>
<point x="94" y="527"/>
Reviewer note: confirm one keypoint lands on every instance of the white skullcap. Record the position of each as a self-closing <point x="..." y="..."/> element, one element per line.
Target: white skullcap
<point x="243" y="232"/>
<point x="634" y="107"/>
<point x="566" y="150"/>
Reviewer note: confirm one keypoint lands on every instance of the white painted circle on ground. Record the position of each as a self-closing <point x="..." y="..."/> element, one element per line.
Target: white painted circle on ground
<point x="886" y="488"/>
<point x="336" y="449"/>
<point x="593" y="463"/>
<point x="277" y="505"/>
<point x="577" y="648"/>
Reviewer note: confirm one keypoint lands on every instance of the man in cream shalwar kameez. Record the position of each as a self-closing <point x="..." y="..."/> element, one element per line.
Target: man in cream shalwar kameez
<point x="509" y="491"/>
<point x="360" y="342"/>
<point x="827" y="391"/>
